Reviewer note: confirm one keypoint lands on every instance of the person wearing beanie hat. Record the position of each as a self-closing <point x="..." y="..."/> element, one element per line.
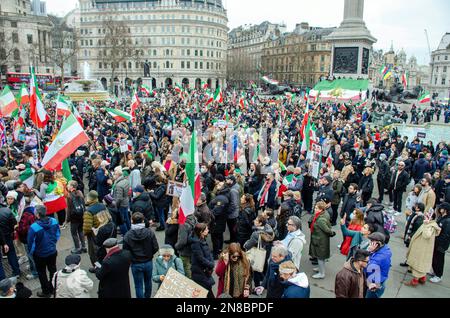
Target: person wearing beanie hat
<point x="442" y="242"/>
<point x="72" y="282"/>
<point x="10" y="288"/>
<point x="166" y="260"/>
<point x="91" y="222"/>
<point x="142" y="203"/>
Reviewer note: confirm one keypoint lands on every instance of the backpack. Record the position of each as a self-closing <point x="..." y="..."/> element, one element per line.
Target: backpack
<point x="297" y="211"/>
<point x="390" y="224"/>
<point x="78" y="205"/>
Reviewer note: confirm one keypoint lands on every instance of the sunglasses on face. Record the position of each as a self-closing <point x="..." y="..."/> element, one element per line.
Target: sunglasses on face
<point x="235" y="256"/>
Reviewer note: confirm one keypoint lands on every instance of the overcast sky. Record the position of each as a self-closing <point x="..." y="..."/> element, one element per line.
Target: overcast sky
<point x="400" y="21"/>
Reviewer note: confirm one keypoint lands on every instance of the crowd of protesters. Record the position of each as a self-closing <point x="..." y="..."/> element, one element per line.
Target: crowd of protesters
<point x="252" y="194"/>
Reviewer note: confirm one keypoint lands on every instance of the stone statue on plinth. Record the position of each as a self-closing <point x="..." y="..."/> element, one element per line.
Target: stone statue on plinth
<point x="146" y="69"/>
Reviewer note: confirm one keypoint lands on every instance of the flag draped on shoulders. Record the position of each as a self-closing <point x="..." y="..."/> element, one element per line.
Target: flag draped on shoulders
<point x="54" y="199"/>
<point x="192" y="191"/>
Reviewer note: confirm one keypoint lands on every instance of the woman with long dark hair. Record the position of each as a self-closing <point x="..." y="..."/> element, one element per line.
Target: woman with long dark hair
<point x="234" y="272"/>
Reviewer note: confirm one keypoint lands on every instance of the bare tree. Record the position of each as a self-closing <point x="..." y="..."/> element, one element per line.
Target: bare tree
<point x="118" y="46"/>
<point x="6" y="52"/>
<point x="240" y="69"/>
<point x="64" y="48"/>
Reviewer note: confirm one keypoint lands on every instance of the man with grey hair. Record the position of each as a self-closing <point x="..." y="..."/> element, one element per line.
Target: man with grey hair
<point x="42" y="239"/>
<point x="272" y="282"/>
<point x="295" y="240"/>
<point x="120" y="193"/>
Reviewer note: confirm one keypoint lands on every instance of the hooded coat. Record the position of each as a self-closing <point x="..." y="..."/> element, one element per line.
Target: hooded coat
<point x="43" y="237"/>
<point x="74" y="284"/>
<point x="143" y="204"/>
<point x="374" y="215"/>
<point x="142" y="244"/>
<point x="297" y="287"/>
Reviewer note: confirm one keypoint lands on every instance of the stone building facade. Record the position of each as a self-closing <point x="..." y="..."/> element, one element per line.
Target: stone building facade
<point x="440" y="69"/>
<point x="299" y="58"/>
<point x="184" y="42"/>
<point x="245" y="48"/>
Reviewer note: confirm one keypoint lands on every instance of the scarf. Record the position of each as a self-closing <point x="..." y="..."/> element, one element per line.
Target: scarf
<point x="235" y="273"/>
<point x="111" y="252"/>
<point x="409" y="227"/>
<point x="311" y="228"/>
<point x="168" y="164"/>
<point x="265" y="194"/>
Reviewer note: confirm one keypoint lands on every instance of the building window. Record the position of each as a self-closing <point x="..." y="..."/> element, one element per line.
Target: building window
<point x="445" y="69"/>
<point x="130" y="65"/>
<point x="446" y="57"/>
<point x="196" y="65"/>
<point x="13" y="24"/>
<point x="30" y="38"/>
<point x="182" y="64"/>
<point x="188" y="52"/>
<point x="201" y="65"/>
<point x="154" y="64"/>
<point x="15" y="38"/>
<point x="100" y="65"/>
<point x="188" y="64"/>
<point x="16" y="55"/>
<point x="167" y="64"/>
<point x="443" y="81"/>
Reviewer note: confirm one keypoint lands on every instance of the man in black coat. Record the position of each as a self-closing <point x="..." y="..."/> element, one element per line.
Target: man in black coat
<point x="383" y="175"/>
<point x="350" y="202"/>
<point x="7" y="225"/>
<point x="113" y="274"/>
<point x="326" y="192"/>
<point x="143" y="245"/>
<point x="442" y="242"/>
<point x="399" y="182"/>
<point x="219" y="206"/>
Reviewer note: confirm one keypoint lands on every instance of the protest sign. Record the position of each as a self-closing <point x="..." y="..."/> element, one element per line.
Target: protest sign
<point x="176" y="285"/>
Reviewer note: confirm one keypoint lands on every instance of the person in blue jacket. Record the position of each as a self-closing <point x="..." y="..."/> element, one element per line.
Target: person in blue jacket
<point x="42" y="239"/>
<point x="296" y="285"/>
<point x="377" y="271"/>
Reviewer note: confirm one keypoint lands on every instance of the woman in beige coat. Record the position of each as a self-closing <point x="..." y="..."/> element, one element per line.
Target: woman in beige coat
<point x="420" y="252"/>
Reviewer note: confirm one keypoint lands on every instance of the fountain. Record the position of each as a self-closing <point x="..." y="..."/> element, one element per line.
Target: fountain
<point x="86" y="88"/>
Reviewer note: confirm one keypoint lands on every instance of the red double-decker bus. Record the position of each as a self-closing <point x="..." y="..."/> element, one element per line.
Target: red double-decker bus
<point x="15" y="80"/>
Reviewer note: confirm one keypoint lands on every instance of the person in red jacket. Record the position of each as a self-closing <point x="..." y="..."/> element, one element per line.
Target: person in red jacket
<point x="25" y="223"/>
<point x="234" y="272"/>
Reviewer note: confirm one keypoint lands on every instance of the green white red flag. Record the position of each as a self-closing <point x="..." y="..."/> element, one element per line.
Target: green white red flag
<point x="218" y="96"/>
<point x="62" y="106"/>
<point x="70" y="137"/>
<point x="37" y="110"/>
<point x="118" y="115"/>
<point x="24" y="95"/>
<point x="135" y="103"/>
<point x="192" y="191"/>
<point x="8" y="103"/>
<point x="425" y="98"/>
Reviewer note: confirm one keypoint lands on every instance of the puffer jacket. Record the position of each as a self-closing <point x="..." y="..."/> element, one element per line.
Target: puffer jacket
<point x="377" y="270"/>
<point x="159" y="268"/>
<point x="43" y="236"/>
<point x="90" y="219"/>
<point x="121" y="191"/>
<point x="142" y="244"/>
<point x="76" y="284"/>
<point x="159" y="197"/>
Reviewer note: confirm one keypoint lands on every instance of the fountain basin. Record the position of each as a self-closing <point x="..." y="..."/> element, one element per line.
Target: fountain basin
<point x="86" y="89"/>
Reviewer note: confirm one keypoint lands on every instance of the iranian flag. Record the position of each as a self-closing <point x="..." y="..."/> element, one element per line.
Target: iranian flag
<point x="70" y="137"/>
<point x="404" y="81"/>
<point x="62" y="106"/>
<point x="178" y="88"/>
<point x="27" y="176"/>
<point x="304" y="123"/>
<point x="330" y="161"/>
<point x="242" y="101"/>
<point x="205" y="85"/>
<point x="218" y="96"/>
<point x="210" y="97"/>
<point x="77" y="115"/>
<point x="135" y="102"/>
<point x="8" y="103"/>
<point x="37" y="110"/>
<point x="24" y="95"/>
<point x="146" y="89"/>
<point x="118" y="115"/>
<point x="54" y="199"/>
<point x="310" y="137"/>
<point x="425" y="98"/>
<point x="192" y="191"/>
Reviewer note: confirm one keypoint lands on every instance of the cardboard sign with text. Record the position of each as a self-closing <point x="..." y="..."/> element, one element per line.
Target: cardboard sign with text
<point x="176" y="285"/>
